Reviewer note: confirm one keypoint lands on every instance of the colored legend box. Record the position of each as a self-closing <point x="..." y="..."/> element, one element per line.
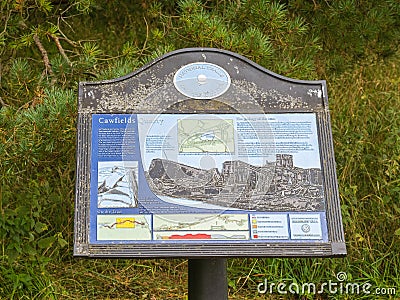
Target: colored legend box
<point x="270" y="226"/>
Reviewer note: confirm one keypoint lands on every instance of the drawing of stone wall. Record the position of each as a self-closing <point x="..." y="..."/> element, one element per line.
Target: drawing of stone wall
<point x="275" y="186"/>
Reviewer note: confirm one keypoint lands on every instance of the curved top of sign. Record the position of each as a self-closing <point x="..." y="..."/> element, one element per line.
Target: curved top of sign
<point x="203" y="52"/>
<point x="202" y="74"/>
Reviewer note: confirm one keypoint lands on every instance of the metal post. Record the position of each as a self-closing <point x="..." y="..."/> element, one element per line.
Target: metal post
<point x="208" y="279"/>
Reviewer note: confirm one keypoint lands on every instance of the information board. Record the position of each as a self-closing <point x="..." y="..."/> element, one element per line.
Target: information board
<point x="203" y="153"/>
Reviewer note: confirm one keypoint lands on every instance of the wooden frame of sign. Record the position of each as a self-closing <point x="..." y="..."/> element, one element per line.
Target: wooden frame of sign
<point x="204" y="153"/>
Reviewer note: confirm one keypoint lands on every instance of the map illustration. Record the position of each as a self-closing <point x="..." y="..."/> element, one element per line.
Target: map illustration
<point x="207" y="135"/>
<point x="123" y="227"/>
<point x="201" y="222"/>
<point x="201" y="226"/>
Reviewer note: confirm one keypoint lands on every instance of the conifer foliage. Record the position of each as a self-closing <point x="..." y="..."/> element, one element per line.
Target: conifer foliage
<point x="35" y="52"/>
<point x="351" y="30"/>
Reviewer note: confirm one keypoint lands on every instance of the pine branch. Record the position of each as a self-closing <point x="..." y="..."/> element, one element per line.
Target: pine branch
<point x="60" y="48"/>
<point x="3" y="104"/>
<point x="45" y="57"/>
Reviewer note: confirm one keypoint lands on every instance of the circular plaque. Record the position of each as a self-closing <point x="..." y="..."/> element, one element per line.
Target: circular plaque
<point x="202" y="80"/>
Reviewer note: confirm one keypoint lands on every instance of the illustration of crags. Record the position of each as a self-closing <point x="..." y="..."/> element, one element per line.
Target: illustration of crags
<point x="275" y="186"/>
<point x="117" y="187"/>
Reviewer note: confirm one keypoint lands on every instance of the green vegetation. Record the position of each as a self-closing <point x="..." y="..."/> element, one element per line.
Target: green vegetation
<point x="46" y="47"/>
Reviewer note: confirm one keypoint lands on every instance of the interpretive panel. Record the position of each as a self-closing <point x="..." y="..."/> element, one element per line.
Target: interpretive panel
<point x="175" y="177"/>
<point x="220" y="166"/>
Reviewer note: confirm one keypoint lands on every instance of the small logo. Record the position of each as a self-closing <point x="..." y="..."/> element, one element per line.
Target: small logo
<point x="305" y="228"/>
<point x="341" y="276"/>
<point x="202" y="80"/>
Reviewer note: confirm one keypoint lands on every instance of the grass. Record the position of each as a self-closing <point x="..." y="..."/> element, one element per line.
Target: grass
<point x="365" y="106"/>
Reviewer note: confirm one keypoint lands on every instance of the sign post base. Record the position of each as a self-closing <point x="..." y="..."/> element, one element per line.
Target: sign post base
<point x="208" y="279"/>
